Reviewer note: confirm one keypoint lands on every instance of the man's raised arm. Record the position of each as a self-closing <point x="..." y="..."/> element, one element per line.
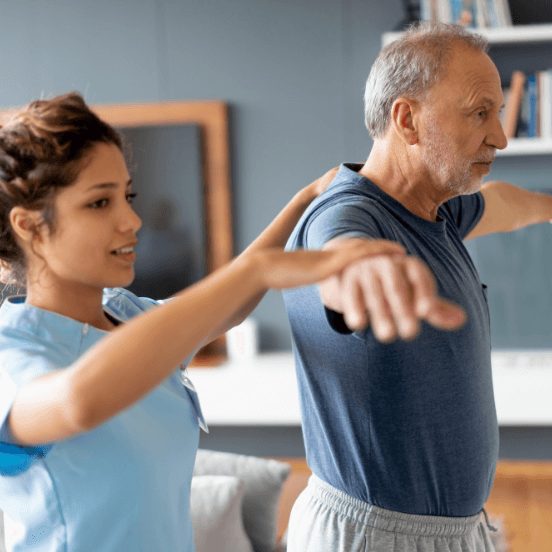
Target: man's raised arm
<point x="509" y="207"/>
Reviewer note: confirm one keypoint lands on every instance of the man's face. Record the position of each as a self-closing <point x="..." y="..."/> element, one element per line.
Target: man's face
<point x="460" y="128"/>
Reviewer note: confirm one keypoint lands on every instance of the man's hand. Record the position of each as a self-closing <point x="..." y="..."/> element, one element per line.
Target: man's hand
<point x="390" y="292"/>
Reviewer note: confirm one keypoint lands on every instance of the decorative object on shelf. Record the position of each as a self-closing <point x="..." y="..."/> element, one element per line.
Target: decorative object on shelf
<point x="242" y="341"/>
<point x="411" y="10"/>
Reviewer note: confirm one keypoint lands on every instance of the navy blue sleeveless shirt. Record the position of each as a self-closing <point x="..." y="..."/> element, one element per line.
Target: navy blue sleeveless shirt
<point x="407" y="426"/>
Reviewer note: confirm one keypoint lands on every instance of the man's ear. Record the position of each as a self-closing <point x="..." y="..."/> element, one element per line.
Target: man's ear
<point x="403" y="119"/>
<point x="25" y="223"/>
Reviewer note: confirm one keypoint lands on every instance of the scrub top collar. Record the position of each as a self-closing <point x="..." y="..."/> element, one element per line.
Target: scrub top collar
<point x="56" y="328"/>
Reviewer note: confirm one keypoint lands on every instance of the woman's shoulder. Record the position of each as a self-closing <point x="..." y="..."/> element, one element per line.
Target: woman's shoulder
<point x="124" y="304"/>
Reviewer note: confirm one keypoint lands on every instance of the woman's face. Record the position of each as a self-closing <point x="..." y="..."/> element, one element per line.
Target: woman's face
<point x="92" y="245"/>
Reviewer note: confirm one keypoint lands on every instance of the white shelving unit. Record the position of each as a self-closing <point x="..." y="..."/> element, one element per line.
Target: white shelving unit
<point x="526" y="146"/>
<point x="524" y="34"/>
<point x="518" y="34"/>
<point x="262" y="390"/>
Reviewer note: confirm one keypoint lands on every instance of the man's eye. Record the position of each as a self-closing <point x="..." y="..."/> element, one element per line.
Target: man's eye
<point x="130" y="197"/>
<point x="482" y="113"/>
<point x="99" y="204"/>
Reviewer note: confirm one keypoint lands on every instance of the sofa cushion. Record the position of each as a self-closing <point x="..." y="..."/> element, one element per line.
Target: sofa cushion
<point x="216" y="510"/>
<point x="262" y="479"/>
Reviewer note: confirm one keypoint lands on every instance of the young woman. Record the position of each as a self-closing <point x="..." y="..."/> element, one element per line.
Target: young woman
<point x="99" y="424"/>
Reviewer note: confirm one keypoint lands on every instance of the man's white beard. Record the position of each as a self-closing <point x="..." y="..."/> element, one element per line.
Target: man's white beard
<point x="453" y="175"/>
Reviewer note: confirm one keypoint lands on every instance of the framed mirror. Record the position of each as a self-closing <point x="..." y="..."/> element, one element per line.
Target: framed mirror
<point x="178" y="156"/>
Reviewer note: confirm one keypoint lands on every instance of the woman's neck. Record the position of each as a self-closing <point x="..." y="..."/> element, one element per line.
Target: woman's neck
<point x="81" y="303"/>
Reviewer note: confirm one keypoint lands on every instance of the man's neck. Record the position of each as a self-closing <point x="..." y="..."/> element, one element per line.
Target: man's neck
<point x="392" y="171"/>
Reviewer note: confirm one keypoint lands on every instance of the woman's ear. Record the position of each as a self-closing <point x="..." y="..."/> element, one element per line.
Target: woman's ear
<point x="25" y="224"/>
<point x="403" y="120"/>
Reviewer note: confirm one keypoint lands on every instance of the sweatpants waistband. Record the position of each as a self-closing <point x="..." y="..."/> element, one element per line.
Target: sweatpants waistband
<point x="367" y="514"/>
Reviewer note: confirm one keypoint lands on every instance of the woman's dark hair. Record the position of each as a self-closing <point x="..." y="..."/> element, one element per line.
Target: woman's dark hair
<point x="42" y="148"/>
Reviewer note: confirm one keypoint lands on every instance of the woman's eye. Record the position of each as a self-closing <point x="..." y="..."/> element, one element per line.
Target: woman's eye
<point x="99" y="204"/>
<point x="130" y="197"/>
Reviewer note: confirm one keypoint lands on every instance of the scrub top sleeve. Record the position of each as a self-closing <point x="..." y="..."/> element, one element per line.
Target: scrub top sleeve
<point x="8" y="391"/>
<point x="16" y="369"/>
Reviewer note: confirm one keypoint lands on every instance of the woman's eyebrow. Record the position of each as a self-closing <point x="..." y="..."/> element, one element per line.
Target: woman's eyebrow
<point x="108" y="185"/>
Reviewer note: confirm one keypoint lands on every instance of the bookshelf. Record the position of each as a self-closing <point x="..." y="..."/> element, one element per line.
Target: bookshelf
<point x="522" y="35"/>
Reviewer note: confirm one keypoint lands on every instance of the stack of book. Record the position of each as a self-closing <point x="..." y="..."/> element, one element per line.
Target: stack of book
<point x="528" y="105"/>
<point x="471" y="13"/>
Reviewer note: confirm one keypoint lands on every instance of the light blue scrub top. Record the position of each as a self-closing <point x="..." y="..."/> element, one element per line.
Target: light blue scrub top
<point x="122" y="486"/>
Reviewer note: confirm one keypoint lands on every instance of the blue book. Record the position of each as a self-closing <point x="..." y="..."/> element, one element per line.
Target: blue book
<point x="492" y="13"/>
<point x="533" y="99"/>
<point x="522" y="130"/>
<point x="456" y="8"/>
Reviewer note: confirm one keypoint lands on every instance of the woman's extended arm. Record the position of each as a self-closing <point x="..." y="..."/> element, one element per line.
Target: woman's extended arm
<point x="139" y="355"/>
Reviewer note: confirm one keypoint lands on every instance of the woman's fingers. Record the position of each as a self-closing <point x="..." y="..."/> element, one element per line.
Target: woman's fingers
<point x="321" y="184"/>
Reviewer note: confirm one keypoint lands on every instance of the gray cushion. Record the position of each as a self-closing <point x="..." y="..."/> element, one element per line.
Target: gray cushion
<point x="262" y="481"/>
<point x="216" y="509"/>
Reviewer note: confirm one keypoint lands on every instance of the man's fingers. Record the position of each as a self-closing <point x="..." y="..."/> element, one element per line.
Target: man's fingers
<point x="352" y="303"/>
<point x="429" y="306"/>
<point x="400" y="297"/>
<point x="381" y="318"/>
<point x="445" y="315"/>
<point x="423" y="286"/>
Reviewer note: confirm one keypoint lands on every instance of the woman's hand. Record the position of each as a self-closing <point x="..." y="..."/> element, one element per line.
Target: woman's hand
<point x="320" y="185"/>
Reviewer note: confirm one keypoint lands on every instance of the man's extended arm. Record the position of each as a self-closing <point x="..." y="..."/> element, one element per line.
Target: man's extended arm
<point x="508" y="208"/>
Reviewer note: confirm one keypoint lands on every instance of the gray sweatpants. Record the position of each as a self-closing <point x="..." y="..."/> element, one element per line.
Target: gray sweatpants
<point x="325" y="519"/>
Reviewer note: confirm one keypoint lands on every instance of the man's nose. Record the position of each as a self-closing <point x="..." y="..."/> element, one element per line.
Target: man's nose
<point x="496" y="137"/>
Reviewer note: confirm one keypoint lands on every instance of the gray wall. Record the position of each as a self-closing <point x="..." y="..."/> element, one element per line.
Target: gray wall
<point x="292" y="71"/>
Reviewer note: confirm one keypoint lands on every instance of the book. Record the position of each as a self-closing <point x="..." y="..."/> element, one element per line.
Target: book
<point x="532" y="106"/>
<point x="503" y="12"/>
<point x="512" y="108"/>
<point x="546" y="104"/>
<point x="482" y="15"/>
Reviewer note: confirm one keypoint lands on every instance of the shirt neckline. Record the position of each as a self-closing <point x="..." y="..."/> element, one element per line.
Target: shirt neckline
<point x="349" y="172"/>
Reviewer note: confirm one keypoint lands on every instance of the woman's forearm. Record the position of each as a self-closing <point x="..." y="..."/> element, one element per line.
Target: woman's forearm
<point x="276" y="234"/>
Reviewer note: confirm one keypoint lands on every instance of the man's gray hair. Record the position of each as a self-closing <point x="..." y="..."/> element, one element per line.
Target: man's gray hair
<point x="410" y="66"/>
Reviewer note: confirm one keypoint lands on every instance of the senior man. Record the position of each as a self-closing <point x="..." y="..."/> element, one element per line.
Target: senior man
<point x="398" y="413"/>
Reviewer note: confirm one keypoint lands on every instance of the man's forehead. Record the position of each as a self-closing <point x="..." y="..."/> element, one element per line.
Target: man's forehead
<point x="471" y="76"/>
